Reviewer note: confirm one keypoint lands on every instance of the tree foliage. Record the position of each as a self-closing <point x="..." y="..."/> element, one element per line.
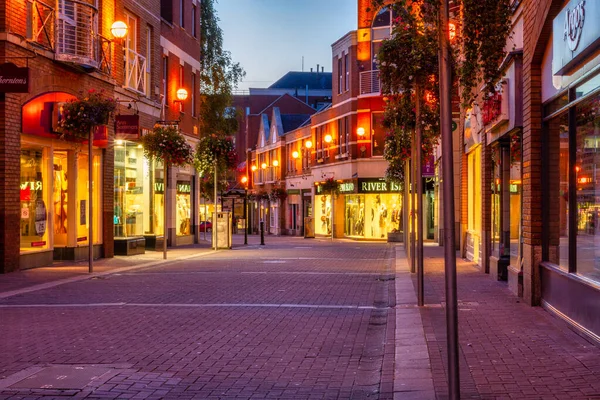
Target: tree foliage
<point x="219" y="76"/>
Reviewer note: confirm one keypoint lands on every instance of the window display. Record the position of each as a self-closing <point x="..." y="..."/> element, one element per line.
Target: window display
<point x="323" y="215"/>
<point x="139" y="190"/>
<point x="183" y="199"/>
<point x="60" y="193"/>
<point x="34" y="212"/>
<point x="372" y="216"/>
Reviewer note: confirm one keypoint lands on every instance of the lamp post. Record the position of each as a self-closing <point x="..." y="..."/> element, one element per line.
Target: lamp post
<point x="245" y="182"/>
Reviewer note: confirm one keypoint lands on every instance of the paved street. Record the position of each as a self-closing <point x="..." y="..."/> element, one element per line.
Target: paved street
<point x="299" y="319"/>
<point x="294" y="319"/>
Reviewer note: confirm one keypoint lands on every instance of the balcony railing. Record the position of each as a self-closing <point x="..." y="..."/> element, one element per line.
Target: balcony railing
<point x="135" y="71"/>
<point x="70" y="30"/>
<point x="369" y="83"/>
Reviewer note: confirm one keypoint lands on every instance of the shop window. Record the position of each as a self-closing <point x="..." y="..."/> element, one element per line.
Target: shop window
<point x="495" y="203"/>
<point x="183" y="199"/>
<point x="323" y="215"/>
<point x="34" y="200"/>
<point x="355" y="215"/>
<point x="587" y="168"/>
<point x="60" y="197"/>
<point x="82" y="205"/>
<point x="138" y="192"/>
<point x="515" y="186"/>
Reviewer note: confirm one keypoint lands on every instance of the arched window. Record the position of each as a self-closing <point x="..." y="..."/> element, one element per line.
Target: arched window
<point x="381" y="29"/>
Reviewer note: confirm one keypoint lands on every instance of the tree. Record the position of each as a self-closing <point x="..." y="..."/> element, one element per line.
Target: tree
<point x="219" y="76"/>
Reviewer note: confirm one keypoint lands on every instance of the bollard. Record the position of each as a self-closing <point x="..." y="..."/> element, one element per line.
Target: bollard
<point x="262" y="233"/>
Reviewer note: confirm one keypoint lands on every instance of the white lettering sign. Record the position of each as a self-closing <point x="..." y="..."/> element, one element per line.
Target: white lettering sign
<point x="574" y="20"/>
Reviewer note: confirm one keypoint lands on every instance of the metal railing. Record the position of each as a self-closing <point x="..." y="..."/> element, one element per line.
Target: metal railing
<point x="369" y="82"/>
<point x="135" y="71"/>
<point x="70" y="30"/>
<point x="41" y="24"/>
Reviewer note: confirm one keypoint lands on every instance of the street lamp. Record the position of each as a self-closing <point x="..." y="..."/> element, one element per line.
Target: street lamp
<point x="245" y="182"/>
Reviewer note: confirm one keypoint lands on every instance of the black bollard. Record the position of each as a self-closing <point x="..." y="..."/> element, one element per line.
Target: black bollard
<point x="262" y="233"/>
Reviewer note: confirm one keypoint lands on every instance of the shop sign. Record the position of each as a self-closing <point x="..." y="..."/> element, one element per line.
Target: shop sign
<point x="376" y="185"/>
<point x="127" y="127"/>
<point x="184" y="187"/>
<point x="347" y="187"/>
<point x="575" y="34"/>
<point x="428" y="167"/>
<point x="159" y="186"/>
<point x="38" y="244"/>
<point x="40" y="217"/>
<point x="293" y="191"/>
<point x="81" y="239"/>
<point x="13" y="79"/>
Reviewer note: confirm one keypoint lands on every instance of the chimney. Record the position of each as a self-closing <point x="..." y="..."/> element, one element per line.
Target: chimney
<point x="317" y="68"/>
<point x="322" y="69"/>
<point x="311" y="70"/>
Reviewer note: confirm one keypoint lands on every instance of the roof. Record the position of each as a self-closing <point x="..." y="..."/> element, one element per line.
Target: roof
<point x="297" y="80"/>
<point x="293" y="121"/>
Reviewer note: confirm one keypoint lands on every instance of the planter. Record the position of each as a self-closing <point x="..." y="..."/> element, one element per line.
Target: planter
<point x="395" y="237"/>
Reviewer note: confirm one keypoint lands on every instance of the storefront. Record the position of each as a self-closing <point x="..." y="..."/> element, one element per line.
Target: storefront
<point x="139" y="197"/>
<point x="366" y="208"/>
<point x="54" y="195"/>
<point x="570" y="267"/>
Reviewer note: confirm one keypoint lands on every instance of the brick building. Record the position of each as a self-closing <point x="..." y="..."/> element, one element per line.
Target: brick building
<point x="45" y="178"/>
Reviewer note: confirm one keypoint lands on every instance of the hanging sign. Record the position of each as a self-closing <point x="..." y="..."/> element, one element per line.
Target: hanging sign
<point x="428" y="167"/>
<point x="13" y="79"/>
<point x="127" y="127"/>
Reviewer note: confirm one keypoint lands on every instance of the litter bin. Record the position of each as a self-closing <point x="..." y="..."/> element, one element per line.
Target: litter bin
<point x="222" y="230"/>
<point x="309" y="227"/>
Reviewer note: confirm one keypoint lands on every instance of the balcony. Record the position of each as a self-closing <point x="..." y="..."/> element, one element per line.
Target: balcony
<point x="369" y="83"/>
<point x="69" y="28"/>
<point x="135" y="71"/>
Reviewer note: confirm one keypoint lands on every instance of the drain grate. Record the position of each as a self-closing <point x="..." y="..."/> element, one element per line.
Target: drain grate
<point x="65" y="377"/>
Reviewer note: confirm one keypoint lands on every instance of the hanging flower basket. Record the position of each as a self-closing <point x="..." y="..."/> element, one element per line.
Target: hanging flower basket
<point x="215" y="147"/>
<point x="167" y="145"/>
<point x="330" y="186"/>
<point x="78" y="117"/>
<point x="277" y="193"/>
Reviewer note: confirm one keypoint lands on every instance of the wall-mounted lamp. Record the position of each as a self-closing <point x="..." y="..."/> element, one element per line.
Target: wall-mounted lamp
<point x="263" y="165"/>
<point x="360" y="131"/>
<point x="182" y="96"/>
<point x="118" y="29"/>
<point x="452" y="30"/>
<point x="308" y="144"/>
<point x="295" y="154"/>
<point x="244" y="179"/>
<point x="253" y="167"/>
<point x="328" y="138"/>
<point x="275" y="163"/>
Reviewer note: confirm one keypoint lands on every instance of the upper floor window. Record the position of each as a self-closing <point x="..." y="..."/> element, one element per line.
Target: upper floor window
<point x="165" y="81"/>
<point x="194" y="30"/>
<point x="181" y="83"/>
<point x="341" y="136"/>
<point x="166" y="10"/>
<point x="193" y="96"/>
<point x="340" y="75"/>
<point x="182" y="13"/>
<point x="347" y="72"/>
<point x="135" y="63"/>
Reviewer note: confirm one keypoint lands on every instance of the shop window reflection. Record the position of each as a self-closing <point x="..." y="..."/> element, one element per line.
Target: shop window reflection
<point x="587" y="165"/>
<point x="33" y="202"/>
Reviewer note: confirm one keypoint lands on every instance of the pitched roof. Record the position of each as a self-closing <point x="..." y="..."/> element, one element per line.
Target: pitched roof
<point x="295" y="79"/>
<point x="293" y="121"/>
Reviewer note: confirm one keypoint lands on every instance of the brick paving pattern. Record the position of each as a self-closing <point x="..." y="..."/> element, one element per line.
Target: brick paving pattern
<point x="294" y="320"/>
<point x="508" y="350"/>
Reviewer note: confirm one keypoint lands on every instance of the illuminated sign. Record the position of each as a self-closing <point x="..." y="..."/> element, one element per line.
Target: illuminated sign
<point x="184" y="187"/>
<point x="13" y="79"/>
<point x="377" y="185"/>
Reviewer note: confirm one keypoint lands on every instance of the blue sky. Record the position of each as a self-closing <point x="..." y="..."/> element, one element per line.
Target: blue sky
<point x="269" y="37"/>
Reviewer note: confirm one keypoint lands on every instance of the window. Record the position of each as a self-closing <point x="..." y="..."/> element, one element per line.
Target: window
<point x="148" y="60"/>
<point x="347" y="138"/>
<point x="347" y="71"/>
<point x="35" y="208"/>
<point x="340" y="75"/>
<point x="166" y="10"/>
<point x="193" y="90"/>
<point x="341" y="134"/>
<point x="135" y="63"/>
<point x="194" y="30"/>
<point x="378" y="137"/>
<point x="181" y="13"/>
<point x="165" y="81"/>
<point x="181" y="85"/>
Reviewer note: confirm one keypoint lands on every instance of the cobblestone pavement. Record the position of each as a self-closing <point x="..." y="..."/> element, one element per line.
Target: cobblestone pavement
<point x="296" y="319"/>
<point x="508" y="350"/>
